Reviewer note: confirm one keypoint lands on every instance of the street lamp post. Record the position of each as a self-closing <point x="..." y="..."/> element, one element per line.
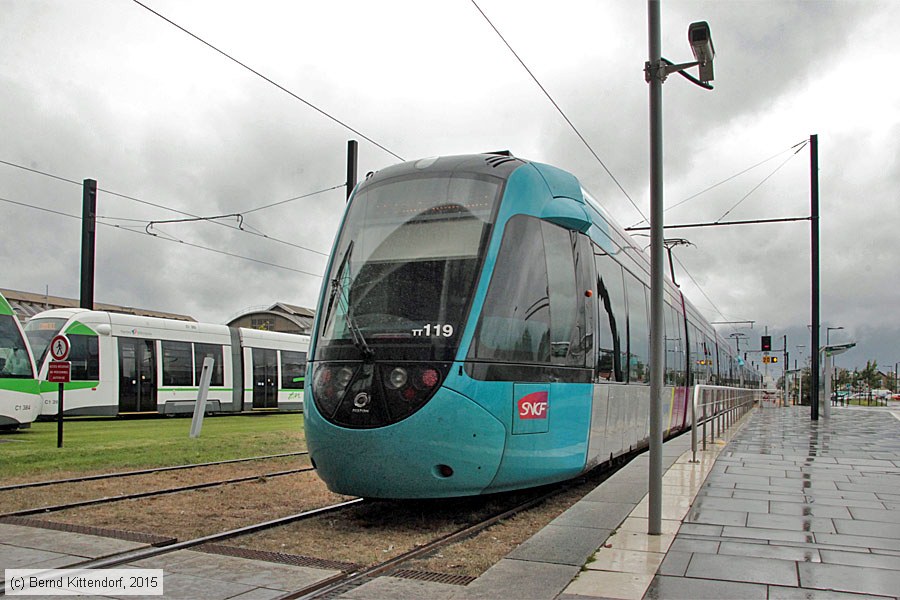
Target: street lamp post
<point x="895" y="377"/>
<point x="656" y="70"/>
<point x="828" y="330"/>
<point x="800" y="390"/>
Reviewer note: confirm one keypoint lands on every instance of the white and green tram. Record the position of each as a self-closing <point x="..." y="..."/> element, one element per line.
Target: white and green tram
<point x="126" y="364"/>
<point x="20" y="400"/>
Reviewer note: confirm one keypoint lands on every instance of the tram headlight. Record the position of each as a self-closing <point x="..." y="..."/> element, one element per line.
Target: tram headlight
<point x="397" y="378"/>
<point x="344" y="375"/>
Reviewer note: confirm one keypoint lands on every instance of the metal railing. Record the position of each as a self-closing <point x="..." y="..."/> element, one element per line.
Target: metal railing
<point x="719" y="407"/>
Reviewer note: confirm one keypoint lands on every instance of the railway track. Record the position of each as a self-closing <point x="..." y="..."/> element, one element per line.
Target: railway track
<point x="150" y="493"/>
<point x="353" y="575"/>
<point x="347" y="580"/>
<point x="33" y="484"/>
<point x="150" y="551"/>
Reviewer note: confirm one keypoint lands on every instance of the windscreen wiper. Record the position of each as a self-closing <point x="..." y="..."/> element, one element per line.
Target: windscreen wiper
<point x="339" y="291"/>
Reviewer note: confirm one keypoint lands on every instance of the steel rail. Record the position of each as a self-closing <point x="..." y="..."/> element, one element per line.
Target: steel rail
<point x="339" y="581"/>
<point x="31" y="484"/>
<point x="107" y="499"/>
<point x="120" y="558"/>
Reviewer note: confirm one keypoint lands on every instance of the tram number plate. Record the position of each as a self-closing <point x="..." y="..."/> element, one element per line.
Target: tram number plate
<point x="60" y="371"/>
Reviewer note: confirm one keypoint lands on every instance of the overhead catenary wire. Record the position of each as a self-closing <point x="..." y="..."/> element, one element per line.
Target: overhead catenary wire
<point x="165" y="237"/>
<point x="727" y="179"/>
<point x="560" y="110"/>
<point x="270" y="81"/>
<point x="185" y="213"/>
<point x="757" y="186"/>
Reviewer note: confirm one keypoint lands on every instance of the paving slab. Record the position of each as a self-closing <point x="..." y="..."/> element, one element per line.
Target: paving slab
<point x="858" y="580"/>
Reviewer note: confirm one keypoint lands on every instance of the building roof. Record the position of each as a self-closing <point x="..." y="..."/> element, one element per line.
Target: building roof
<point x="28" y="304"/>
<point x="301" y="316"/>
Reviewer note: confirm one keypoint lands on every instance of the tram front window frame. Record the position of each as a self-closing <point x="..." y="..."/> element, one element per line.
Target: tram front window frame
<point x="406" y="266"/>
<point x="39" y="333"/>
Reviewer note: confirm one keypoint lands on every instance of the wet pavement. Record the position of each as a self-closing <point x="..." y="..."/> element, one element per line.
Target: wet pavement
<point x="794" y="508"/>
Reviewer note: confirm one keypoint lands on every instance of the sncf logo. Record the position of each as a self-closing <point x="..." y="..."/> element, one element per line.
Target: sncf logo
<point x="533" y="406"/>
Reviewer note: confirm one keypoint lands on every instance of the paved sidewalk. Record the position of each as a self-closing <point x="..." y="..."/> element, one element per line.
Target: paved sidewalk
<point x="795" y="509"/>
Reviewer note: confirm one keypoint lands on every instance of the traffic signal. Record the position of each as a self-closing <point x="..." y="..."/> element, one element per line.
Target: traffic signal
<point x="766" y="343"/>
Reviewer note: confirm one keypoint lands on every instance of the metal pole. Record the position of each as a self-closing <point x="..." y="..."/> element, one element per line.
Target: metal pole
<point x="784" y="370"/>
<point x="814" y="255"/>
<point x="202" y="393"/>
<point x="694" y="423"/>
<point x="657" y="266"/>
<point x="352" y="161"/>
<point x="59" y="417"/>
<point x="88" y="234"/>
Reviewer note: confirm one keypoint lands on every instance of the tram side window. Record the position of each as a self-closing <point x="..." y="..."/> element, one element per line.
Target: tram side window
<point x="697" y="359"/>
<point x="612" y="342"/>
<point x="201" y="351"/>
<point x="712" y="359"/>
<point x="84" y="354"/>
<point x="638" y="331"/>
<point x="293" y="370"/>
<point x="564" y="313"/>
<point x="177" y="366"/>
<point x="515" y="319"/>
<point x="674" y="348"/>
<point x="13" y="355"/>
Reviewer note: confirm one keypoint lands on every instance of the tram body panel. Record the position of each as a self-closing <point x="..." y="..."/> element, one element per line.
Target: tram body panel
<point x="20" y="400"/>
<point x="405" y="459"/>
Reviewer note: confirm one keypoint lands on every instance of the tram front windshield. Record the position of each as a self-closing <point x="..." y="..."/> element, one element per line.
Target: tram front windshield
<point x="405" y="267"/>
<point x="39" y="333"/>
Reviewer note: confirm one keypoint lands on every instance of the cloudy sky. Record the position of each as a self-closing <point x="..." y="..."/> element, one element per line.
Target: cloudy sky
<point x="105" y="89"/>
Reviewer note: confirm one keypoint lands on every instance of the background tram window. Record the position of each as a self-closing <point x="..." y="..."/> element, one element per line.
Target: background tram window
<point x="293" y="370"/>
<point x="178" y="364"/>
<point x="638" y="331"/>
<point x="13" y="355"/>
<point x="84" y="354"/>
<point x="201" y="351"/>
<point x="515" y="319"/>
<point x="612" y="340"/>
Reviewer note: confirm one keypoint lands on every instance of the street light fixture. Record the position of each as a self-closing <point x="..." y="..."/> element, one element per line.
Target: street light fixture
<point x="828" y="330"/>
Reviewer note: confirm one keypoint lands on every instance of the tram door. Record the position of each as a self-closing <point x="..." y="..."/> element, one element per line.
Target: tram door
<point x="265" y="378"/>
<point x="137" y="375"/>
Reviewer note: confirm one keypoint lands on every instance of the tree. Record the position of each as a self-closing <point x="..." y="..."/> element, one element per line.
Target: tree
<point x="870" y="377"/>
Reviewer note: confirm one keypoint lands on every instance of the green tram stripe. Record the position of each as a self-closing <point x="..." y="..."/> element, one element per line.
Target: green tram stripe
<point x="77" y="328"/>
<point x="47" y="386"/>
<point x="25" y="386"/>
<point x="5" y="308"/>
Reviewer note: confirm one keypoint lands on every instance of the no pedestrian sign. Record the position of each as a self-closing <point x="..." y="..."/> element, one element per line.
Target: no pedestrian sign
<point x="60" y="371"/>
<point x="59" y="347"/>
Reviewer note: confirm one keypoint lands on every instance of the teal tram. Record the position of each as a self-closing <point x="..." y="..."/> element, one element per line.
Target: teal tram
<point x="483" y="326"/>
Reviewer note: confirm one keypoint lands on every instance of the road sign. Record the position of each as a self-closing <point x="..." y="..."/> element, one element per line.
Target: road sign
<point x="60" y="371"/>
<point x="59" y="347"/>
